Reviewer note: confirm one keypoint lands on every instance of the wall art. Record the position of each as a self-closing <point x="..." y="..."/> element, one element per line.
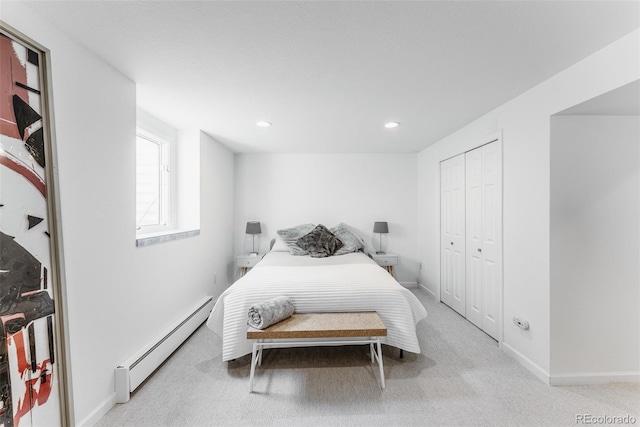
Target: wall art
<point x="33" y="386"/>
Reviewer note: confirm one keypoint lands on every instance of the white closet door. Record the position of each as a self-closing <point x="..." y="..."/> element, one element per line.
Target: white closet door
<point x="452" y="203"/>
<point x="471" y="236"/>
<point x="484" y="237"/>
<point x="491" y="239"/>
<point x="474" y="259"/>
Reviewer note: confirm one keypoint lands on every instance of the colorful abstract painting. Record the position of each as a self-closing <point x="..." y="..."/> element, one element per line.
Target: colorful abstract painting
<point x="29" y="393"/>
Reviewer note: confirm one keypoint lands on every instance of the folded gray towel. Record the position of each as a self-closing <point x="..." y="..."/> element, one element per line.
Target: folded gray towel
<point x="266" y="313"/>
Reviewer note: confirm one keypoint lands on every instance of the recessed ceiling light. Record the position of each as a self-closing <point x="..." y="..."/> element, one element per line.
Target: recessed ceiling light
<point x="391" y="125"/>
<point x="263" y="124"/>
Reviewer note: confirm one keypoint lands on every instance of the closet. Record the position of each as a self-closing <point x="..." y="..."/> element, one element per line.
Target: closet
<point x="471" y="236"/>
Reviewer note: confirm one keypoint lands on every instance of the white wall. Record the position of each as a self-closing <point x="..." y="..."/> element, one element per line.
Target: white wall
<point x="188" y="185"/>
<point x="525" y="123"/>
<point x="283" y="190"/>
<point x="595" y="224"/>
<point x="119" y="296"/>
<point x="215" y="253"/>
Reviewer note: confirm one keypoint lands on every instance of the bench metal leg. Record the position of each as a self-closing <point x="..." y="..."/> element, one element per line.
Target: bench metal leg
<point x="259" y="345"/>
<point x="379" y="355"/>
<point x="254" y="360"/>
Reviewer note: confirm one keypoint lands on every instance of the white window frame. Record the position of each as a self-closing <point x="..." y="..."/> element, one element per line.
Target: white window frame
<point x="167" y="216"/>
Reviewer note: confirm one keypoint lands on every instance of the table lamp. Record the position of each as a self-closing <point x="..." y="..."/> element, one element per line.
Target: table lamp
<point x="381" y="228"/>
<point x="253" y="228"/>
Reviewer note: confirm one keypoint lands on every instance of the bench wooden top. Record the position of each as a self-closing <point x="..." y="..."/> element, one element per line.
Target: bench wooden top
<point x="324" y="325"/>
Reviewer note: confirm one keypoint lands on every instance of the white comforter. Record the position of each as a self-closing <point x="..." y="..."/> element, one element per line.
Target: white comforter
<point x="351" y="282"/>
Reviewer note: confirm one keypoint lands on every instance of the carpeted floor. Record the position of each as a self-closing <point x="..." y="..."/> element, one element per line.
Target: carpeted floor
<point x="460" y="379"/>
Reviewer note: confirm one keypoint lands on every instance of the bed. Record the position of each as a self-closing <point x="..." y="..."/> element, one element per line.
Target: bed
<point x="344" y="283"/>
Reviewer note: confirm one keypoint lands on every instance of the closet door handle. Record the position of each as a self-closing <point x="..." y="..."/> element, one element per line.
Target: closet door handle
<point x="479" y="249"/>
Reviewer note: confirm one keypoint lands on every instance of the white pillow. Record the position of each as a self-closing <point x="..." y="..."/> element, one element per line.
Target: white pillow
<point x="279" y="245"/>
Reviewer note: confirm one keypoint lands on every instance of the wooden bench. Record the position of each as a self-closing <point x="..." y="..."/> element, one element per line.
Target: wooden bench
<point x="315" y="328"/>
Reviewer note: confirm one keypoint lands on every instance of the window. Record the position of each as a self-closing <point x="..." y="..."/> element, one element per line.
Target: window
<point x="153" y="183"/>
<point x="167" y="181"/>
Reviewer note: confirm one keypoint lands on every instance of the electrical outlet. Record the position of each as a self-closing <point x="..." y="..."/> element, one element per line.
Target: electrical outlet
<point x="521" y="323"/>
<point x="214" y="278"/>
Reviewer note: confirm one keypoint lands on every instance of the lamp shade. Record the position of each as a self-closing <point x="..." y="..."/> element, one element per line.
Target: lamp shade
<point x="380" y="227"/>
<point x="253" y="227"/>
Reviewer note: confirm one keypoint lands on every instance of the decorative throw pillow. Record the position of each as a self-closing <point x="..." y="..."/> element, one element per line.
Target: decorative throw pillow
<point x="351" y="241"/>
<point x="290" y="235"/>
<point x="320" y="242"/>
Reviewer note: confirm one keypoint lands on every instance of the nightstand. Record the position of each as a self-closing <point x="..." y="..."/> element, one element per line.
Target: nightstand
<point x="386" y="260"/>
<point x="245" y="262"/>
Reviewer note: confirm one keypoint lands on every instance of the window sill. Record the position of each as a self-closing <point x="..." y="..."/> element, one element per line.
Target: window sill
<point x="150" y="239"/>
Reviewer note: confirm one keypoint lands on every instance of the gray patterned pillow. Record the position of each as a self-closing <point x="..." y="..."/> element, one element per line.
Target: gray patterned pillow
<point x="290" y="235"/>
<point x="320" y="242"/>
<point x="351" y="241"/>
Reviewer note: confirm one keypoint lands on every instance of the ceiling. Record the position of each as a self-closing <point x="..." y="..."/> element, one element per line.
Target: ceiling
<point x="329" y="75"/>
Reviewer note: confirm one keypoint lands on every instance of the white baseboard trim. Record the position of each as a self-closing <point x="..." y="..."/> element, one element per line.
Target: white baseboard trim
<point x="427" y="289"/>
<point x="589" y="378"/>
<point x="409" y="284"/>
<point x="100" y="411"/>
<point x="581" y="378"/>
<point x="526" y="362"/>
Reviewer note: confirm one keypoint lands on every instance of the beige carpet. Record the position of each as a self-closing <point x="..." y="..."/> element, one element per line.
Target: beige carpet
<point x="460" y="379"/>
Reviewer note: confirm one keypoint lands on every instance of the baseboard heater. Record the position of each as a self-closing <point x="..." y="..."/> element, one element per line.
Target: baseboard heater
<point x="138" y="367"/>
